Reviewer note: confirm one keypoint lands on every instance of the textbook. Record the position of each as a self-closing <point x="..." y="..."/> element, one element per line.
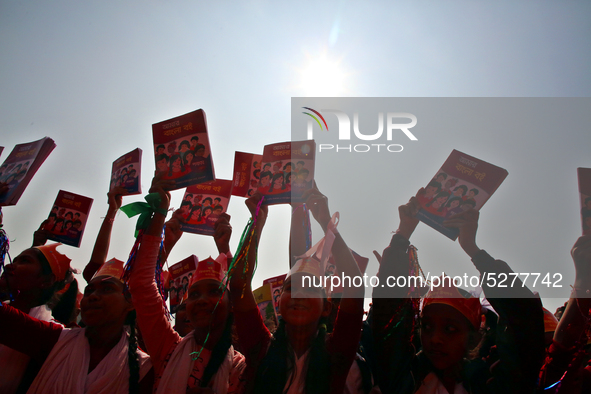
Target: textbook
<point x="68" y="217"/>
<point x="584" y="175"/>
<point x="276" y="284"/>
<point x="182" y="150"/>
<point x="20" y="166"/>
<point x="203" y="204"/>
<point x="264" y="301"/>
<point x="287" y="171"/>
<point x="127" y="172"/>
<point x="462" y="182"/>
<point x="247" y="172"/>
<point x="180" y="276"/>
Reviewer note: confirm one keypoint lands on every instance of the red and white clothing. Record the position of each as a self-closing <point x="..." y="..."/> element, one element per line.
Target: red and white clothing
<point x="171" y="354"/>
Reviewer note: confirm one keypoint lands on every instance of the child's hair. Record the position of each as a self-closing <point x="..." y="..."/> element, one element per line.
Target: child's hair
<point x="463" y="187"/>
<point x="435" y="184"/>
<point x="438" y="195"/>
<point x="272" y="373"/>
<point x="132" y="357"/>
<point x="443" y="174"/>
<point x="218" y="353"/>
<point x="186" y="143"/>
<point x="476" y="191"/>
<point x="64" y="310"/>
<point x="186" y="203"/>
<point x="452" y="200"/>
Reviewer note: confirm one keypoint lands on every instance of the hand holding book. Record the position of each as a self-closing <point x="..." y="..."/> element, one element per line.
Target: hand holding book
<point x="467" y="223"/>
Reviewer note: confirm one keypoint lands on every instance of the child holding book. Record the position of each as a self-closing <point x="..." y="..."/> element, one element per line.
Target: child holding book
<point x="205" y="357"/>
<point x="450" y="325"/>
<point x="299" y="356"/>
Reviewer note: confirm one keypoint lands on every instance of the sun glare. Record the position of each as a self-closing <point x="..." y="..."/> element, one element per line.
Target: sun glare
<point x="323" y="77"/>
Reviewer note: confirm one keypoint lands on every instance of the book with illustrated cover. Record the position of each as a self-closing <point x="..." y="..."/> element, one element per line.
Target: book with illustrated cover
<point x="264" y="301"/>
<point x="463" y="182"/>
<point x="126" y="172"/>
<point x="68" y="217"/>
<point x="180" y="277"/>
<point x="20" y="166"/>
<point x="276" y="284"/>
<point x="247" y="173"/>
<point x="584" y="175"/>
<point x="182" y="150"/>
<point x="287" y="171"/>
<point x="203" y="204"/>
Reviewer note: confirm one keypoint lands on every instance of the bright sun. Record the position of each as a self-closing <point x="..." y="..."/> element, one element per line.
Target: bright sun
<point x="323" y="77"/>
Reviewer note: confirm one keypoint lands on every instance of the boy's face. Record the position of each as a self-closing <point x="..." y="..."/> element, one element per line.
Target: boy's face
<point x="184" y="148"/>
<point x="430" y="190"/>
<point x="162" y="165"/>
<point x="265" y="180"/>
<point x="160" y="150"/>
<point x="444" y="336"/>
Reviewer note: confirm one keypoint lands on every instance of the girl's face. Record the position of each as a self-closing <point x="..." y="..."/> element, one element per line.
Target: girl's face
<point x="68" y="225"/>
<point x="444" y="335"/>
<point x="162" y="165"/>
<point x="441" y="200"/>
<point x="454" y="204"/>
<point x="176" y="165"/>
<point x="103" y="302"/>
<point x="25" y="273"/>
<point x="189" y="157"/>
<point x="195" y="215"/>
<point x="206" y="212"/>
<point x="201" y="303"/>
<point x="278" y="183"/>
<point x="58" y="226"/>
<point x="298" y="311"/>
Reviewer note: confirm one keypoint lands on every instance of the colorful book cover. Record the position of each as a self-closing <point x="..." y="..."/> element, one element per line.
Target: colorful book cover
<point x="462" y="182"/>
<point x="68" y="217"/>
<point x="203" y="204"/>
<point x="264" y="301"/>
<point x="247" y="173"/>
<point x="287" y="171"/>
<point x="126" y="172"/>
<point x="20" y="166"/>
<point x="584" y="175"/>
<point x="182" y="150"/>
<point x="276" y="284"/>
<point x="180" y="277"/>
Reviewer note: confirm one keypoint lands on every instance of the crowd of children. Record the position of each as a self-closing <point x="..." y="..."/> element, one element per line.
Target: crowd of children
<point x="54" y="340"/>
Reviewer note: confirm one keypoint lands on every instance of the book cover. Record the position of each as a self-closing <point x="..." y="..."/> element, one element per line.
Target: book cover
<point x="247" y="173"/>
<point x="287" y="171"/>
<point x="203" y="204"/>
<point x="264" y="301"/>
<point x="126" y="172"/>
<point x="276" y="284"/>
<point x="462" y="182"/>
<point x="68" y="217"/>
<point x="182" y="150"/>
<point x="331" y="269"/>
<point x="584" y="175"/>
<point x="180" y="277"/>
<point x="20" y="166"/>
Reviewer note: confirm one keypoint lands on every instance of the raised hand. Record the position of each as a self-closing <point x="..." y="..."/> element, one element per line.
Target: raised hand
<point x="467" y="223"/>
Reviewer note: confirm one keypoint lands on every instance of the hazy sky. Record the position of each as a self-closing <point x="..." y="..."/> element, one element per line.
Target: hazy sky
<point x="95" y="76"/>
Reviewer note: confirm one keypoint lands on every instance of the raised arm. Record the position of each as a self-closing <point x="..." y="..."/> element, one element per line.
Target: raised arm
<point x="240" y="283"/>
<point x="392" y="313"/>
<point x="157" y="331"/>
<point x="103" y="239"/>
<point x="520" y="337"/>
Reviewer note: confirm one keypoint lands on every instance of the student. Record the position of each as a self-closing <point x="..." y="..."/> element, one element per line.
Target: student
<point x="195" y="215"/>
<point x="565" y="369"/>
<point x="162" y="162"/>
<point x="299" y="356"/>
<point x="450" y="323"/>
<point x="277" y="184"/>
<point x="32" y="281"/>
<point x="194" y="142"/>
<point x="218" y="365"/>
<point x="436" y="205"/>
<point x="461" y="191"/>
<point x="264" y="181"/>
<point x="100" y="358"/>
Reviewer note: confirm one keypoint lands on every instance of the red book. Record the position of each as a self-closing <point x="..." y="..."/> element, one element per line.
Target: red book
<point x="182" y="150"/>
<point x="180" y="276"/>
<point x="462" y="182"/>
<point x="203" y="204"/>
<point x="127" y="172"/>
<point x="20" y="166"/>
<point x="584" y="175"/>
<point x="247" y="172"/>
<point x="287" y="171"/>
<point x="68" y="217"/>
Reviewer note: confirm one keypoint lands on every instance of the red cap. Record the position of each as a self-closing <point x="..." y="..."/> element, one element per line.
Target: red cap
<point x="112" y="268"/>
<point x="59" y="263"/>
<point x="469" y="307"/>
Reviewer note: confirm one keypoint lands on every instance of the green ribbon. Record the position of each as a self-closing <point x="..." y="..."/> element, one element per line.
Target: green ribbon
<point x="145" y="210"/>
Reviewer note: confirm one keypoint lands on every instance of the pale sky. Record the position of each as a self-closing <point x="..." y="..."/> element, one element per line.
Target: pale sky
<point x="95" y="76"/>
